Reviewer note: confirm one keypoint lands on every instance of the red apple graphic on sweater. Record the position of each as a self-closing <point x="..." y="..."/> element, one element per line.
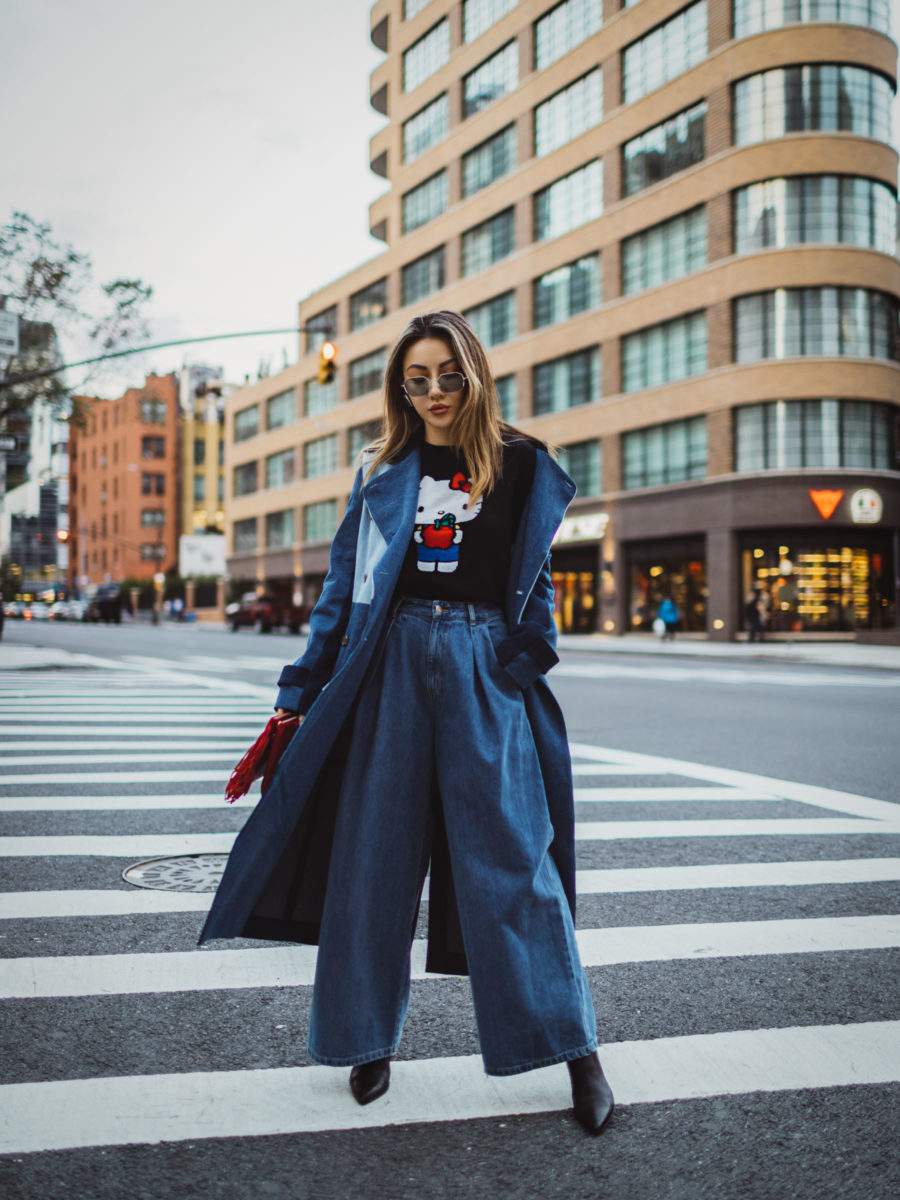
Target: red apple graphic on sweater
<point x="440" y="535"/>
<point x="443" y="508"/>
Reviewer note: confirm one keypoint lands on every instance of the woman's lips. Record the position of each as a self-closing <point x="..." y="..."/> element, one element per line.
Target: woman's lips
<point x="437" y="409"/>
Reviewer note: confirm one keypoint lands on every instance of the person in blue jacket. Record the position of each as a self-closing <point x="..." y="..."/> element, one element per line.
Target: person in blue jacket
<point x="668" y="614"/>
<point x="429" y="736"/>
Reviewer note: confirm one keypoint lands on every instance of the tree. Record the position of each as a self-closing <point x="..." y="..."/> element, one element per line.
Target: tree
<point x="51" y="287"/>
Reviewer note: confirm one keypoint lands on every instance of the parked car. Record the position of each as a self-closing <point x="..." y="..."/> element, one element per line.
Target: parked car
<point x="77" y="609"/>
<point x="105" y="604"/>
<point x="37" y="610"/>
<point x="59" y="610"/>
<point x="13" y="609"/>
<point x="266" y="613"/>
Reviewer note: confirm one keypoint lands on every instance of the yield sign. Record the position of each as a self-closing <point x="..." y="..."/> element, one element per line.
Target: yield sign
<point x="825" y="501"/>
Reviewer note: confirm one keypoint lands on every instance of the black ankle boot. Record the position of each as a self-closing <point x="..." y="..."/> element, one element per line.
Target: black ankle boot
<point x="370" y="1080"/>
<point x="592" y="1096"/>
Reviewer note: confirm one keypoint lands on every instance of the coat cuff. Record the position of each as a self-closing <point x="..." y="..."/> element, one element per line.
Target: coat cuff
<point x="289" y="698"/>
<point x="526" y="655"/>
<point x="293" y="676"/>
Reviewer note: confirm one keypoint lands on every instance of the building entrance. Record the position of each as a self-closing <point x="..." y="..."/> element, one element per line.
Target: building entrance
<point x="675" y="568"/>
<point x="574" y="574"/>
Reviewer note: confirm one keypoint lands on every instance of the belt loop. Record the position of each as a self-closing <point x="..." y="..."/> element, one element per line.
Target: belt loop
<point x="471" y="608"/>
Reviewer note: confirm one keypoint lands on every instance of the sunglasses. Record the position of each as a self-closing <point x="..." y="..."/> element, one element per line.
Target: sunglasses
<point x="420" y="385"/>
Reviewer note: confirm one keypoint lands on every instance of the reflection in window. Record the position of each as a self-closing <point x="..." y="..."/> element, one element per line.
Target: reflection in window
<point x="280" y="468"/>
<point x="835" y="321"/>
<point x="563" y="28"/>
<point x="665" y="251"/>
<point x="666" y="51"/>
<point x="582" y="460"/>
<point x="495" y="320"/>
<point x="368" y="305"/>
<point x="663" y="150"/>
<point x="320" y="521"/>
<point x="567" y="291"/>
<point x="246" y="423"/>
<point x="828" y="98"/>
<point x="367" y="373"/>
<point x="425" y="202"/>
<point x="489" y="161"/>
<point x="671" y="453"/>
<point x="245" y="479"/>
<point x="423" y="276"/>
<point x="281" y="410"/>
<point x="488" y="242"/>
<point x="280" y="528"/>
<point x="566" y="382"/>
<point x="480" y="15"/>
<point x="496" y="77"/>
<point x="569" y="202"/>
<point x="815" y="208"/>
<point x="785" y="434"/>
<point x="569" y="114"/>
<point x="664" y="353"/>
<point x="320" y="456"/>
<point x="426" y="56"/>
<point x="426" y="128"/>
<point x="754" y="16"/>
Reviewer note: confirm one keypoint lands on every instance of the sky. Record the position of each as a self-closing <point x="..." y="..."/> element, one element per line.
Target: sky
<point x="217" y="150"/>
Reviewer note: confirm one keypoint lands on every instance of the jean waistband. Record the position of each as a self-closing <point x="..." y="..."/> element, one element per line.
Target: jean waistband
<point x="474" y="611"/>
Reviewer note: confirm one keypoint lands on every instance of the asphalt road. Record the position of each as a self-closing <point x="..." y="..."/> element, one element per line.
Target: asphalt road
<point x="740" y="935"/>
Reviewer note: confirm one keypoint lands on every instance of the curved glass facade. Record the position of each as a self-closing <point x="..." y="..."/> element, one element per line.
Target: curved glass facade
<point x="754" y="16"/>
<point x="781" y="435"/>
<point x="833" y="321"/>
<point x="815" y="208"/>
<point x="826" y="98"/>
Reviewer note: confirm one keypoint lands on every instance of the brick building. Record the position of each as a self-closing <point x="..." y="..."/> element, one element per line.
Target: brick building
<point x="123" y="493"/>
<point x="674" y="226"/>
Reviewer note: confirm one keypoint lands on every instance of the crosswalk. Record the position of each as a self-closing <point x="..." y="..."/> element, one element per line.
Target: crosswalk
<point x="102" y="768"/>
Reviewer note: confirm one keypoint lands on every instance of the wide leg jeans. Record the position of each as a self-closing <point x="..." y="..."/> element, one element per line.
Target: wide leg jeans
<point x="438" y="704"/>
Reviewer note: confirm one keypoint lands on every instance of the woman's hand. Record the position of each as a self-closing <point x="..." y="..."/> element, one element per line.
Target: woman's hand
<point x="281" y="713"/>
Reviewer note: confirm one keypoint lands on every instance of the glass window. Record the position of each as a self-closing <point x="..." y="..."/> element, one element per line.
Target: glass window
<point x="496" y="77"/>
<point x="666" y="51"/>
<point x="320" y="521"/>
<point x="280" y="468"/>
<point x="665" y="251"/>
<point x="815" y="208"/>
<point x="827" y="97"/>
<point x="480" y="15"/>
<point x="425" y="202"/>
<point x="320" y="328"/>
<point x="320" y="457"/>
<point x="566" y="382"/>
<point x="660" y="454"/>
<point x="426" y="56"/>
<point x="786" y="434"/>
<point x="663" y="150"/>
<point x="664" y="353"/>
<point x="199" y="452"/>
<point x="246" y="423"/>
<point x="153" y="412"/>
<point x="754" y="16"/>
<point x="245" y="479"/>
<point x="152" y="447"/>
<point x="422" y="276"/>
<point x="569" y="202"/>
<point x="319" y="397"/>
<point x="367" y="373"/>
<point x="563" y="28"/>
<point x="567" y="291"/>
<point x="280" y="528"/>
<point x="153" y="516"/>
<point x="582" y="460"/>
<point x="369" y="305"/>
<point x="488" y="242"/>
<point x="507" y="395"/>
<point x="412" y="7"/>
<point x="281" y="410"/>
<point x="495" y="320"/>
<point x="489" y="161"/>
<point x="244" y="535"/>
<point x="798" y="321"/>
<point x="360" y="436"/>
<point x="569" y="114"/>
<point x="151" y="485"/>
<point x="199" y="489"/>
<point x="426" y="128"/>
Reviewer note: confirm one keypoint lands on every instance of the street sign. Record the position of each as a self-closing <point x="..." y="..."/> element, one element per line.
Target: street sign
<point x="9" y="333"/>
<point x="7" y="442"/>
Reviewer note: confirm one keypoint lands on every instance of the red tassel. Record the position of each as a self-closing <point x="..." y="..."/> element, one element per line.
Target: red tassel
<point x="261" y="759"/>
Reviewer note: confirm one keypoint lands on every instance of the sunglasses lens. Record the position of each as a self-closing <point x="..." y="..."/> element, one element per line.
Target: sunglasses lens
<point x="417" y="385"/>
<point x="451" y="382"/>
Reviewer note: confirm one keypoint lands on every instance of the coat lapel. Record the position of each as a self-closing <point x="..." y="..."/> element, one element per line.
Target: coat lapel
<point x="550" y="496"/>
<point x="392" y="495"/>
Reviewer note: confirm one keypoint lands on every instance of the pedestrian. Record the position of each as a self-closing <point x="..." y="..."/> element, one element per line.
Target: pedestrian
<point x="669" y="615"/>
<point x="429" y="734"/>
<point x="755" y="611"/>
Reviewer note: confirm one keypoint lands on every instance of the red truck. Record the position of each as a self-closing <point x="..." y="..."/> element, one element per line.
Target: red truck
<point x="265" y="613"/>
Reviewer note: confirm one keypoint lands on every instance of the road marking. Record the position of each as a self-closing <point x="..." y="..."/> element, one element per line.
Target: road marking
<point x="295" y="966"/>
<point x="733" y="676"/>
<point x="104" y="902"/>
<point x="147" y="1109"/>
<point x="138" y="845"/>
<point x="205" y="738"/>
<point x="86" y="757"/>
<point x="249" y="728"/>
<point x="219" y="776"/>
<point x="607" y="794"/>
<point x="75" y="803"/>
<point x="609" y="831"/>
<point x="613" y="769"/>
<point x="255" y="718"/>
<point x="104" y="704"/>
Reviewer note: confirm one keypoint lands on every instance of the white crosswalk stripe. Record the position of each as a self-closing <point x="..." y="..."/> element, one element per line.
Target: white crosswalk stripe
<point x="148" y="718"/>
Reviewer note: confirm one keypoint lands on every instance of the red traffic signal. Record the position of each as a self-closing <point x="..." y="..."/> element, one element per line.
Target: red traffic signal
<point x="327" y="356"/>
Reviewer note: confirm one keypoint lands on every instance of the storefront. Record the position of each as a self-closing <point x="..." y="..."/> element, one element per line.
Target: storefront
<point x="575" y="570"/>
<point x="671" y="568"/>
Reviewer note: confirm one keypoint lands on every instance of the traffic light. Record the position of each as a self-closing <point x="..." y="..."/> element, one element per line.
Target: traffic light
<point x="62" y="534"/>
<point x="327" y="355"/>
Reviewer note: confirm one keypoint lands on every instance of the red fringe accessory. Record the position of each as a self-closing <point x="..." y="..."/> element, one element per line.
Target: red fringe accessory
<point x="262" y="758"/>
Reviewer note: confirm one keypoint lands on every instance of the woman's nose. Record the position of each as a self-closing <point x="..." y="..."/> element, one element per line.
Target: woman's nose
<point x="435" y="387"/>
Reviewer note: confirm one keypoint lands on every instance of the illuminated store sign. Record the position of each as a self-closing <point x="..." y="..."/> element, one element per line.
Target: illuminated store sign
<point x="826" y="501"/>
<point x="866" y="507"/>
<point x="587" y="528"/>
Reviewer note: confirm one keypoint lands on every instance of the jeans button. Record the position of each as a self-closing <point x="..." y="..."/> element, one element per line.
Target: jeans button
<point x="438" y="608"/>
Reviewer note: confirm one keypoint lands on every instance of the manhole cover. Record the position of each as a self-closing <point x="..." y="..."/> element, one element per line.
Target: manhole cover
<point x="181" y="873"/>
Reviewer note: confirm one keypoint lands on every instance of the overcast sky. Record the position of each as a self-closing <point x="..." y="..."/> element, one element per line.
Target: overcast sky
<point x="217" y="150"/>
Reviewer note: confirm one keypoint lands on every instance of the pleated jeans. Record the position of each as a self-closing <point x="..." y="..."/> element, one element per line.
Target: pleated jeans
<point x="438" y="705"/>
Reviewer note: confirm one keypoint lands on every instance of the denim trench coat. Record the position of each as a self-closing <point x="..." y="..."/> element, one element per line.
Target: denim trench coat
<point x="275" y="879"/>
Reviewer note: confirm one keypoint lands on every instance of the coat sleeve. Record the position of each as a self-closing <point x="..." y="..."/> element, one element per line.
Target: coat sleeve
<point x="300" y="682"/>
<point x="530" y="649"/>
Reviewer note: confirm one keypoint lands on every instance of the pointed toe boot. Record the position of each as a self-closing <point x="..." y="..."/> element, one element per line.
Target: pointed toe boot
<point x="592" y="1096"/>
<point x="370" y="1080"/>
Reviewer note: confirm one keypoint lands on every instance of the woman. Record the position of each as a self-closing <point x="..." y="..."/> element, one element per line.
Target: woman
<point x="429" y="735"/>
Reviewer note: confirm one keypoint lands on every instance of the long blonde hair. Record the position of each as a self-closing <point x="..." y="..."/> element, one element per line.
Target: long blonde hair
<point x="478" y="429"/>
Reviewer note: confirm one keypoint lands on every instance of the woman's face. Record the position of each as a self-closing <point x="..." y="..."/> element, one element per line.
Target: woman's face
<point x="431" y="358"/>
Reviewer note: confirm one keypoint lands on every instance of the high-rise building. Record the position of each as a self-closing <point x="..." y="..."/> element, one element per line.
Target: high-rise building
<point x="674" y="227"/>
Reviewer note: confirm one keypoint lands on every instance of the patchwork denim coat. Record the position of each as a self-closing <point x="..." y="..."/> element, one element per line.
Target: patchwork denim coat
<point x="275" y="879"/>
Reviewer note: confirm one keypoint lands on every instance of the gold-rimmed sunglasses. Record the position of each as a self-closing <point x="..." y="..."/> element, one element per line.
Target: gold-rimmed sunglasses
<point x="420" y="385"/>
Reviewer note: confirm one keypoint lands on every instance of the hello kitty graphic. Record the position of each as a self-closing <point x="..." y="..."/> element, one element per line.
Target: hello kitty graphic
<point x="443" y="508"/>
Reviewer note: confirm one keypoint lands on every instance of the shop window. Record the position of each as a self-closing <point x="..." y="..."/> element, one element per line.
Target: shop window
<point x="672" y="569"/>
